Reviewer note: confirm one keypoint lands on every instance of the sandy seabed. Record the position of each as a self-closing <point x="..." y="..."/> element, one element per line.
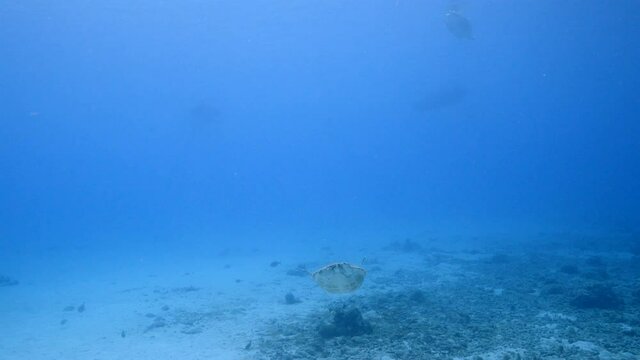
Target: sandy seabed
<point x="422" y="300"/>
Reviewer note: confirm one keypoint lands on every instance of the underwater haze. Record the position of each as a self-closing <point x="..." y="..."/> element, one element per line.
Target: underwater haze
<point x="172" y="173"/>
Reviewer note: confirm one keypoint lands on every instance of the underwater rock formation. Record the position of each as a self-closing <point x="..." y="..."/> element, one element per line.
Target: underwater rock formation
<point x="346" y="322"/>
<point x="290" y="299"/>
<point x="598" y="297"/>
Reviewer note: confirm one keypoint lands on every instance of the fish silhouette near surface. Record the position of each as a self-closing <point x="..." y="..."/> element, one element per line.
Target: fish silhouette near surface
<point x="458" y="25"/>
<point x="441" y="97"/>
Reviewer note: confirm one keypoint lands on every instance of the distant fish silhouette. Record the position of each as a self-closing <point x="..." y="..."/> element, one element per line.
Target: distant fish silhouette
<point x="441" y="97"/>
<point x="458" y="25"/>
<point x="203" y="114"/>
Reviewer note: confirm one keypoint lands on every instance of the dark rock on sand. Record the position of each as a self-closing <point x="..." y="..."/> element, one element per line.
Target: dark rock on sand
<point x="192" y="331"/>
<point x="554" y="290"/>
<point x="499" y="259"/>
<point x="299" y="270"/>
<point x="598" y="275"/>
<point x="569" y="269"/>
<point x="406" y="246"/>
<point x="417" y="296"/>
<point x="346" y="322"/>
<point x="595" y="261"/>
<point x="158" y="322"/>
<point x="7" y="281"/>
<point x="629" y="331"/>
<point x="289" y="299"/>
<point x="185" y="289"/>
<point x="598" y="297"/>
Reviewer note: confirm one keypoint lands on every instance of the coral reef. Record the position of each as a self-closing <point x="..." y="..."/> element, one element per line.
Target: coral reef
<point x="473" y="306"/>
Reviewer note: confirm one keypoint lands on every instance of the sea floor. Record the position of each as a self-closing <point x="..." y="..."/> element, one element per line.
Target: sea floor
<point x="420" y="300"/>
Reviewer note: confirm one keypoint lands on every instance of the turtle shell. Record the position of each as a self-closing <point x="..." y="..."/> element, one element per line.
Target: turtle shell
<point x="339" y="278"/>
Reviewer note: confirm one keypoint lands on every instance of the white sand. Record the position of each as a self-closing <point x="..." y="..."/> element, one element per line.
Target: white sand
<point x="118" y="293"/>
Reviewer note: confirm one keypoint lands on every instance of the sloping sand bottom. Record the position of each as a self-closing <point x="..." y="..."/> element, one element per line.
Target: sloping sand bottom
<point x="421" y="303"/>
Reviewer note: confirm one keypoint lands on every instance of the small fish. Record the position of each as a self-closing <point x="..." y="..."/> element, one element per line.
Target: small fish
<point x="123" y="334"/>
<point x="81" y="308"/>
<point x="274" y="263"/>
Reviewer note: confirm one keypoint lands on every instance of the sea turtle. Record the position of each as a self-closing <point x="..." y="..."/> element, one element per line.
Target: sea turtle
<point x="339" y="278"/>
<point x="458" y="25"/>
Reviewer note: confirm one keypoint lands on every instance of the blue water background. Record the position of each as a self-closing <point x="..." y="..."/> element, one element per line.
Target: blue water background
<point x="178" y="123"/>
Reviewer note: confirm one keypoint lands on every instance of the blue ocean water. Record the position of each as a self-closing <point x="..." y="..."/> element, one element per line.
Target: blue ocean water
<point x="191" y="132"/>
